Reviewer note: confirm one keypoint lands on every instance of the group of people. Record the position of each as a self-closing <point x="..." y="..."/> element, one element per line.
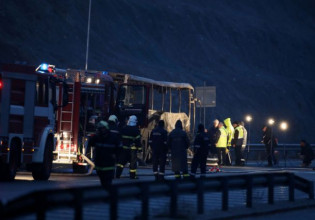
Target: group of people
<point x="116" y="145"/>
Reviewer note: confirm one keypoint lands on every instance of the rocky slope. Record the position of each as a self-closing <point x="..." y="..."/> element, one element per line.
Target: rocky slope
<point x="259" y="54"/>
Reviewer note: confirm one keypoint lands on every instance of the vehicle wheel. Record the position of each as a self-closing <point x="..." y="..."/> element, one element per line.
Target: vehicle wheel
<point x="8" y="171"/>
<point x="41" y="171"/>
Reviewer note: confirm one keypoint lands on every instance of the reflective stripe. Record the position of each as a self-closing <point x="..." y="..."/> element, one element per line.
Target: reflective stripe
<point x="119" y="165"/>
<point x="132" y="171"/>
<point x="104" y="168"/>
<point x="131" y="137"/>
<point x="126" y="147"/>
<point x="162" y="174"/>
<point x="185" y="174"/>
<point x="139" y="148"/>
<point x="155" y="173"/>
<point x="114" y="131"/>
<point x="177" y="175"/>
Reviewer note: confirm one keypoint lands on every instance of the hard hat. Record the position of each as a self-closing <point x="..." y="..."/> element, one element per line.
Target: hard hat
<point x="113" y="118"/>
<point x="102" y="124"/>
<point x="132" y="120"/>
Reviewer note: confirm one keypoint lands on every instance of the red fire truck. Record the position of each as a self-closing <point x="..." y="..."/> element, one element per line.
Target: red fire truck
<point x="27" y="119"/>
<point x="91" y="98"/>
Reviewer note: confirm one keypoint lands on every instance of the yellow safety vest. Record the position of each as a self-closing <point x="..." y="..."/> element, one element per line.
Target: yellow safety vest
<point x="240" y="132"/>
<point x="222" y="142"/>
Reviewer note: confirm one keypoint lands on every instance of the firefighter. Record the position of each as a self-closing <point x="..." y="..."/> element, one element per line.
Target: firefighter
<point x="131" y="143"/>
<point x="106" y="146"/>
<point x="201" y="150"/>
<point x="237" y="143"/>
<point x="158" y="143"/>
<point x="178" y="142"/>
<point x="221" y="145"/>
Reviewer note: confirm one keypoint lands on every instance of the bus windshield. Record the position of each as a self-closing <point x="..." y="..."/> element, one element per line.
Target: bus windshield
<point x="131" y="95"/>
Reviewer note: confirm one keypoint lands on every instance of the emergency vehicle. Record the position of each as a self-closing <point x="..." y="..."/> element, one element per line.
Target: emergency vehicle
<point x="28" y="103"/>
<point x="91" y="99"/>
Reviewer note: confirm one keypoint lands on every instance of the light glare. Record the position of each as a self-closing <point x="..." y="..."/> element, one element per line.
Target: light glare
<point x="271" y="121"/>
<point x="248" y="118"/>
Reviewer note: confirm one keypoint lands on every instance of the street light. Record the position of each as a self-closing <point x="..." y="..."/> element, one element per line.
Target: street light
<point x="248" y="119"/>
<point x="88" y="37"/>
<point x="284" y="126"/>
<point x="271" y="121"/>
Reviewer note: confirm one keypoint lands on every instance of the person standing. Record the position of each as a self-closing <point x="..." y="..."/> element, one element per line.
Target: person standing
<point x="270" y="145"/>
<point x="307" y="153"/>
<point x="178" y="142"/>
<point x="237" y="143"/>
<point x="242" y="125"/>
<point x="158" y="143"/>
<point x="230" y="130"/>
<point x="106" y="146"/>
<point x="221" y="145"/>
<point x="131" y="143"/>
<point x="201" y="150"/>
<point x="213" y="136"/>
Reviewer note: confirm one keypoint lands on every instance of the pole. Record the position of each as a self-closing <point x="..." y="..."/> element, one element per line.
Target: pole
<point x="204" y="104"/>
<point x="88" y="37"/>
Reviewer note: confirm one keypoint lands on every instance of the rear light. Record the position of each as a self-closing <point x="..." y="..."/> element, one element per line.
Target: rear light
<point x="4" y="145"/>
<point x="1" y="84"/>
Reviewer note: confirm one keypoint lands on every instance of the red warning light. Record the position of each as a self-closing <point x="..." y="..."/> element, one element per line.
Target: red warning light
<point x="1" y="84"/>
<point x="50" y="70"/>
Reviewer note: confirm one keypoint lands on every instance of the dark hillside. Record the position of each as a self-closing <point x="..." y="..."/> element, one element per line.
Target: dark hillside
<point x="259" y="54"/>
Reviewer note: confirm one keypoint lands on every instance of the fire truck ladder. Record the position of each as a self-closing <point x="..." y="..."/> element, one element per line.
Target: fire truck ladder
<point x="66" y="141"/>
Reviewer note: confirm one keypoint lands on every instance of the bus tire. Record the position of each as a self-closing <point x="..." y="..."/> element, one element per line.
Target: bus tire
<point x="41" y="171"/>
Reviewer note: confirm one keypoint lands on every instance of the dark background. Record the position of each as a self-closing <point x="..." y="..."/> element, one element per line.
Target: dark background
<point x="259" y="54"/>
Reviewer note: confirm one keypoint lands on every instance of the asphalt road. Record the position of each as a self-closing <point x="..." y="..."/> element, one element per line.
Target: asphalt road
<point x="24" y="184"/>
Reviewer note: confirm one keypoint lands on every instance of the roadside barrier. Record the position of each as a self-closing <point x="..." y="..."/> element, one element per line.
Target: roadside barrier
<point x="41" y="202"/>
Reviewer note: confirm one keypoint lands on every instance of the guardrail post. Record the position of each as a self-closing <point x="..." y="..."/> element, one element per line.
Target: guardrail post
<point x="225" y="193"/>
<point x="291" y="186"/>
<point x="270" y="178"/>
<point x="78" y="210"/>
<point x="249" y="191"/>
<point x="145" y="201"/>
<point x="311" y="190"/>
<point x="200" y="196"/>
<point x="40" y="205"/>
<point x="113" y="203"/>
<point x="173" y="205"/>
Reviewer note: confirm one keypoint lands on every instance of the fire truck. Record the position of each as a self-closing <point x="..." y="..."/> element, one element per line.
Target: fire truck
<point x="28" y="103"/>
<point x="91" y="99"/>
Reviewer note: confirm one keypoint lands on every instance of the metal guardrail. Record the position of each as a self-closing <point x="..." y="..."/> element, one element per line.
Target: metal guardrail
<point x="41" y="202"/>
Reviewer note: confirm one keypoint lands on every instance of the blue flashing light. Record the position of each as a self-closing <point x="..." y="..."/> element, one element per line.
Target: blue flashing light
<point x="44" y="66"/>
<point x="105" y="73"/>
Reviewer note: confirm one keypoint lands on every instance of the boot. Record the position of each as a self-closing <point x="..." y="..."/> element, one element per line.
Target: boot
<point x="156" y="176"/>
<point x="161" y="177"/>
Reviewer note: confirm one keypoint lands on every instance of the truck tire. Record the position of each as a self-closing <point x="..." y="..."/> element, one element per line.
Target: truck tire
<point x="41" y="171"/>
<point x="8" y="171"/>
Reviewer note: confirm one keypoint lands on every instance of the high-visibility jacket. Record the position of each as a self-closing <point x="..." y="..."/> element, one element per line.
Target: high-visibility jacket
<point x="238" y="136"/>
<point x="230" y="130"/>
<point x="223" y="139"/>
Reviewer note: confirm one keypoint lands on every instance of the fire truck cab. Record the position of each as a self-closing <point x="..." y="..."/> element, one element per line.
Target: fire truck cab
<point x="28" y="103"/>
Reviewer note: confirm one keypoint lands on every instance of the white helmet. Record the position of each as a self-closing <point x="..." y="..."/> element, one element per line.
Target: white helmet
<point x="132" y="120"/>
<point x="113" y="118"/>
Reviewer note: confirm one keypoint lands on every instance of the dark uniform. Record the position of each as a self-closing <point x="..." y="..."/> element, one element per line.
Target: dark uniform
<point x="106" y="146"/>
<point x="131" y="143"/>
<point x="178" y="142"/>
<point x="213" y="136"/>
<point x="201" y="150"/>
<point x="270" y="144"/>
<point x="237" y="142"/>
<point x="158" y="143"/>
<point x="307" y="153"/>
